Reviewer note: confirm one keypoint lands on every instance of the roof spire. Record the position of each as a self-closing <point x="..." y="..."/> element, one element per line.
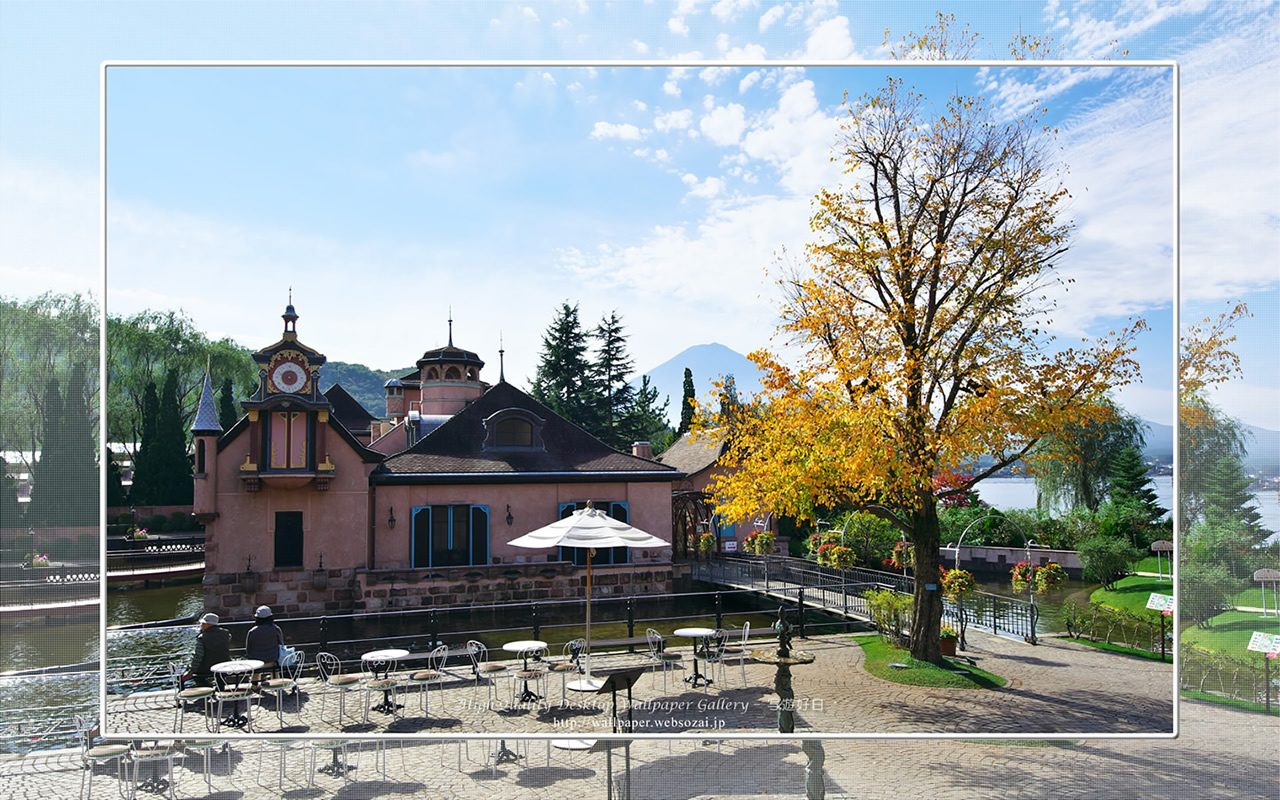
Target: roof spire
<point x="451" y="326"/>
<point x="502" y="375"/>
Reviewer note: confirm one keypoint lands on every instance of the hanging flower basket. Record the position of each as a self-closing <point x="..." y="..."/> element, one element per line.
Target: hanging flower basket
<point x="706" y="543"/>
<point x="903" y="556"/>
<point x="834" y="555"/>
<point x="1049" y="576"/>
<point x="759" y="543"/>
<point x="958" y="583"/>
<point x="38" y="559"/>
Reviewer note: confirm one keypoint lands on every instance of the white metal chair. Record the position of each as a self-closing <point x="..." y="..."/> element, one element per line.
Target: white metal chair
<point x="331" y="676"/>
<point x="737" y="650"/>
<point x="337" y="750"/>
<point x="206" y="747"/>
<point x="661" y="658"/>
<point x="534" y="673"/>
<point x="153" y="754"/>
<point x="432" y="673"/>
<point x="287" y="682"/>
<point x="232" y="691"/>
<point x="201" y="694"/>
<point x="484" y="669"/>
<point x="377" y="677"/>
<point x="711" y="654"/>
<point x="93" y="755"/>
<point x="282" y="747"/>
<point x="569" y="663"/>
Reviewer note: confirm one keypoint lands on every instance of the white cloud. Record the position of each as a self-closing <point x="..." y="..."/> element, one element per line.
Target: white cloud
<point x="796" y="138"/>
<point x="639" y="46"/>
<point x="609" y="130"/>
<point x="673" y="120"/>
<point x="724" y="125"/>
<point x="429" y="159"/>
<point x="661" y="155"/>
<point x="728" y="10"/>
<point x="677" y="26"/>
<point x="671" y="87"/>
<point x="749" y="80"/>
<point x="769" y="17"/>
<point x="640" y="105"/>
<point x="529" y="14"/>
<point x="50" y="231"/>
<point x="830" y="40"/>
<point x="705" y="189"/>
<point x="561" y="24"/>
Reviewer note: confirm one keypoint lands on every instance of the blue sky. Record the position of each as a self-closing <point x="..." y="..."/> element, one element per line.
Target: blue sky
<point x="388" y="195"/>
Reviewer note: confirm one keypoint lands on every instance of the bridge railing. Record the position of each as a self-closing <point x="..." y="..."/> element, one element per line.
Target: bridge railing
<point x="846" y="589"/>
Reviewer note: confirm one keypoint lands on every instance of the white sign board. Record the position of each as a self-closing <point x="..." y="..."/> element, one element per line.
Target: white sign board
<point x="1264" y="642"/>
<point x="731" y="546"/>
<point x="1160" y="602"/>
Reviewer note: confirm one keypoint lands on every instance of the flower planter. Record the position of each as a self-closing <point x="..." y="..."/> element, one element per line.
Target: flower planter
<point x="947" y="646"/>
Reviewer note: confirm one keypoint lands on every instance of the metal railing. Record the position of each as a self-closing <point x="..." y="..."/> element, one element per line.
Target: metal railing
<point x="844" y="591"/>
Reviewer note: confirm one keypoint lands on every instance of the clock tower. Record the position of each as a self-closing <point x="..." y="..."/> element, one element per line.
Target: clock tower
<point x="288" y="416"/>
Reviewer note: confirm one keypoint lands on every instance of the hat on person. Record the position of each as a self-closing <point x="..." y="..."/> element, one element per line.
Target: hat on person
<point x="209" y="619"/>
<point x="263" y="611"/>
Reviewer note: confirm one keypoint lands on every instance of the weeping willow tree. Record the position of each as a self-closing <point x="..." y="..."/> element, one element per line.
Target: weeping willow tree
<point x="1078" y="459"/>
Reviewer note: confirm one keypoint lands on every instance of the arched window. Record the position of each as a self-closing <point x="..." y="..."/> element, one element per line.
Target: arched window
<point x="513" y="432"/>
<point x="452" y="374"/>
<point x="471" y="374"/>
<point x="433" y="375"/>
<point x="200" y="456"/>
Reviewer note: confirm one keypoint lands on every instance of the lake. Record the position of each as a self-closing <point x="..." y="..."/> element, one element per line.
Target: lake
<point x="1008" y="493"/>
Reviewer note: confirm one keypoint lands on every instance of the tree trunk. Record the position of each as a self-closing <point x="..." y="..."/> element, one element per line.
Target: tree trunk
<point x="926" y="613"/>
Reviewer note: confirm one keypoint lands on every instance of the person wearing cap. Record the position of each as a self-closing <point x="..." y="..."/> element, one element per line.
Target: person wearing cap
<point x="213" y="646"/>
<point x="263" y="642"/>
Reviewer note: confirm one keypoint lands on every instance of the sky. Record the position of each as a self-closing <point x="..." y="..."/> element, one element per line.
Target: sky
<point x="534" y="169"/>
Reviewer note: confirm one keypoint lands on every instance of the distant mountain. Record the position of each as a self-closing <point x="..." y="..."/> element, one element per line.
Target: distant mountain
<point x="709" y="363"/>
<point x="1159" y="446"/>
<point x="364" y="384"/>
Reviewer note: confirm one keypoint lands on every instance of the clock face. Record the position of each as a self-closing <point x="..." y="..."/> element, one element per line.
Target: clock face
<point x="289" y="377"/>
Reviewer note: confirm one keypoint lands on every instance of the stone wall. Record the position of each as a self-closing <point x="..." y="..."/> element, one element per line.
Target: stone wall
<point x="295" y="592"/>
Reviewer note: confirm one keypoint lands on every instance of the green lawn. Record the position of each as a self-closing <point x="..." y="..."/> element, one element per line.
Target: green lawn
<point x="1118" y="648"/>
<point x="1131" y="593"/>
<point x="1233" y="702"/>
<point x="879" y="655"/>
<point x="1149" y="564"/>
<point x="1253" y="598"/>
<point x="1230" y="632"/>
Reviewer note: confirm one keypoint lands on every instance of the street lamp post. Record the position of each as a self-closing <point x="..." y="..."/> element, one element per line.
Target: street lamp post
<point x="1031" y="589"/>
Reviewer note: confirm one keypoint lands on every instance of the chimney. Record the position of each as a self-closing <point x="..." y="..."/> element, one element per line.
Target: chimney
<point x="642" y="450"/>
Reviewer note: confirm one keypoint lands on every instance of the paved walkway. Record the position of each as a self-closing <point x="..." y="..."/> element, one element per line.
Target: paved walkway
<point x="1056" y="687"/>
<point x="1220" y="753"/>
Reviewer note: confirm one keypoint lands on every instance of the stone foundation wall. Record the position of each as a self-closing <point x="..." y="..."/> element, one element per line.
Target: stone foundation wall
<point x="295" y="592"/>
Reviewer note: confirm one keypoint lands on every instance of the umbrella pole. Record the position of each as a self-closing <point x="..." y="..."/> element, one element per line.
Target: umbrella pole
<point x="590" y="552"/>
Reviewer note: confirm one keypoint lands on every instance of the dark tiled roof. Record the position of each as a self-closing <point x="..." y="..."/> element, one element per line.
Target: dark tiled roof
<point x="691" y="456"/>
<point x="352" y="415"/>
<point x="457" y="447"/>
<point x="206" y="415"/>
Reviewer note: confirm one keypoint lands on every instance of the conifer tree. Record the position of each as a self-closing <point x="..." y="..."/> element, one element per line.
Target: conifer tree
<point x="48" y="471"/>
<point x="686" y="403"/>
<point x="1130" y="484"/>
<point x="173" y="472"/>
<point x="143" y="490"/>
<point x="228" y="415"/>
<point x="563" y="378"/>
<point x="613" y="397"/>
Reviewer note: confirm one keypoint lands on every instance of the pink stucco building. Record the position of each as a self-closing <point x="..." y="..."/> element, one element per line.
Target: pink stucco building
<point x="313" y="505"/>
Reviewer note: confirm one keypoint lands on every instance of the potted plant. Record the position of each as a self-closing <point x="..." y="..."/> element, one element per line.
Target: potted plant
<point x="38" y="559"/>
<point x="947" y="636"/>
<point x="138" y="534"/>
<point x="903" y="555"/>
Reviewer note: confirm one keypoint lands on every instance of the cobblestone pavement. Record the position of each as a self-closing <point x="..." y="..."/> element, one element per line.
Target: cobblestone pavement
<point x="1056" y="687"/>
<point x="1219" y="753"/>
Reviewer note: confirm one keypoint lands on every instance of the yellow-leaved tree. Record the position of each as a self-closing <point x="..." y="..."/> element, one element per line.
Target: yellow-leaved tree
<point x="918" y="323"/>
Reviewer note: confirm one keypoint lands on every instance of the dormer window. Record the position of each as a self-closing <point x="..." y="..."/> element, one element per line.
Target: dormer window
<point x="513" y="429"/>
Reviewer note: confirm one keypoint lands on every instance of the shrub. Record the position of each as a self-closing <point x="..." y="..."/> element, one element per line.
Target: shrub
<point x="890" y="613"/>
<point x="157" y="523"/>
<point x="1107" y="559"/>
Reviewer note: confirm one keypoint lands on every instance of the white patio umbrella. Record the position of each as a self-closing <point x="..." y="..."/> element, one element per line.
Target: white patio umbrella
<point x="593" y="529"/>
